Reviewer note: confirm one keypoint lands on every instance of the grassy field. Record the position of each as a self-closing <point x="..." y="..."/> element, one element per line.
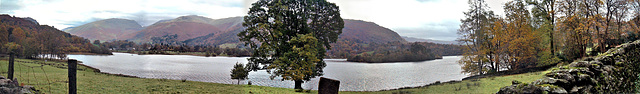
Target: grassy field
<point x="54" y="77"/>
<point x="54" y="80"/>
<point x="482" y="86"/>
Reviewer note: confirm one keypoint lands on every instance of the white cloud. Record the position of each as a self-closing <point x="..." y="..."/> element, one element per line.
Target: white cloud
<point x="409" y="17"/>
<point x="66" y="13"/>
<point x="431" y="19"/>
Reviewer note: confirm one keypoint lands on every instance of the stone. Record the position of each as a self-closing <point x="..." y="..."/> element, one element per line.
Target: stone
<point x="554" y="90"/>
<point x="515" y="82"/>
<point x="29" y="87"/>
<point x="553" y="81"/>
<point x="7" y="81"/>
<point x="15" y="82"/>
<point x="561" y="75"/>
<point x="579" y="64"/>
<point x="507" y="90"/>
<point x="530" y="89"/>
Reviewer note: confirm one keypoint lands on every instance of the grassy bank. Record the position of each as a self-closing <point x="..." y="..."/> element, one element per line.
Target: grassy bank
<point x="488" y="85"/>
<point x="53" y="80"/>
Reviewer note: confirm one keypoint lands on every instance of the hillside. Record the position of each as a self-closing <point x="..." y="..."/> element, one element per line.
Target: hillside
<point x="198" y="30"/>
<point x="230" y="27"/>
<point x="368" y="32"/>
<point x="29" y="39"/>
<point x="184" y="30"/>
<point x="108" y="29"/>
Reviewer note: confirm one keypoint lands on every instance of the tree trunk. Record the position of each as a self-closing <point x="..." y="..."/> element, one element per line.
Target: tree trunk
<point x="298" y="84"/>
<point x="238" y="81"/>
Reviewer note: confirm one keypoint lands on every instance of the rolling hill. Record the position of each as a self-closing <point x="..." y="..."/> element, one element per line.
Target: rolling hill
<point x="198" y="30"/>
<point x="108" y="29"/>
<point x="368" y="32"/>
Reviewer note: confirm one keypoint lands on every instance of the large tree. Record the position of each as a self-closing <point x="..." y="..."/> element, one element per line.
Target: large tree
<point x="474" y="34"/>
<point x="544" y="17"/>
<point x="290" y="37"/>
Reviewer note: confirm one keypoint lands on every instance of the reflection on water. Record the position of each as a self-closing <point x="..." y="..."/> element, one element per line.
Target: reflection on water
<point x="353" y="76"/>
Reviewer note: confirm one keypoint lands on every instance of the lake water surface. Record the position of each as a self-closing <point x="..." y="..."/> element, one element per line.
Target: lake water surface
<point x="353" y="76"/>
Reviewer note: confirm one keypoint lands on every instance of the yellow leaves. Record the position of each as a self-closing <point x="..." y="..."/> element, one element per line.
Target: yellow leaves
<point x="12" y="46"/>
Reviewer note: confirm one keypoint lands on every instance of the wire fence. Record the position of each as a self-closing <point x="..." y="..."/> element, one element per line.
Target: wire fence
<point x="34" y="73"/>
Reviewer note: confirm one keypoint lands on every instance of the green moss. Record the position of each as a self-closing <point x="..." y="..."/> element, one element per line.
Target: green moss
<point x="619" y="63"/>
<point x="548" y="85"/>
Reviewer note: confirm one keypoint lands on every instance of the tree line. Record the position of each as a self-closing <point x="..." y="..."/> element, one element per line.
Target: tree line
<point x="164" y="48"/>
<point x="543" y="32"/>
<point x="403" y="52"/>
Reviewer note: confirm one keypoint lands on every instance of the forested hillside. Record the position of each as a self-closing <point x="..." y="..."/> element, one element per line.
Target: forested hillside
<point x="28" y="39"/>
<point x="397" y="52"/>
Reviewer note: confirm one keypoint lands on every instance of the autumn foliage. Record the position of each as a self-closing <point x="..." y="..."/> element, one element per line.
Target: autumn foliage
<point x="31" y="40"/>
<point x="543" y="32"/>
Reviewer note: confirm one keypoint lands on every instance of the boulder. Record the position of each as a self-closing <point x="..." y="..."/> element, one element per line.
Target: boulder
<point x="8" y="86"/>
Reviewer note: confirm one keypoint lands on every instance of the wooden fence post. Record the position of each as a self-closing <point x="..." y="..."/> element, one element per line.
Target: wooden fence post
<point x="72" y="64"/>
<point x="11" y="57"/>
<point x="11" y="60"/>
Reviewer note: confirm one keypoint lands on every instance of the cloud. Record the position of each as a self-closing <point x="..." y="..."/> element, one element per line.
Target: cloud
<point x="66" y="13"/>
<point x="429" y="19"/>
<point x="415" y="18"/>
<point x="8" y="6"/>
<point x="436" y="31"/>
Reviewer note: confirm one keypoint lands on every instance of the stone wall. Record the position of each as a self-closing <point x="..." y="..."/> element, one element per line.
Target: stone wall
<point x="615" y="71"/>
<point x="8" y="86"/>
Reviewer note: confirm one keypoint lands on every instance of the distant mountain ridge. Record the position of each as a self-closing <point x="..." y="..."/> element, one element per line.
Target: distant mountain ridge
<point x="108" y="29"/>
<point x="199" y="30"/>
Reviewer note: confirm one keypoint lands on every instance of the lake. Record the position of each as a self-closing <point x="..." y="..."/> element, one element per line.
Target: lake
<point x="353" y="76"/>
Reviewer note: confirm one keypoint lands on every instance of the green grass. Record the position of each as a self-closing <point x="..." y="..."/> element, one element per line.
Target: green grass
<point x="93" y="82"/>
<point x="228" y="45"/>
<point x="483" y="86"/>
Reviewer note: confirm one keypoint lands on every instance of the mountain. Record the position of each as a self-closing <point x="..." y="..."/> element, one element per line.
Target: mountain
<point x="368" y="32"/>
<point x="230" y="27"/>
<point x="198" y="30"/>
<point x="108" y="29"/>
<point x="412" y="39"/>
<point x="68" y="28"/>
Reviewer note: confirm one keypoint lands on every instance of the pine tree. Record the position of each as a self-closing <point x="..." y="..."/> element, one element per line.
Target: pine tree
<point x="239" y="72"/>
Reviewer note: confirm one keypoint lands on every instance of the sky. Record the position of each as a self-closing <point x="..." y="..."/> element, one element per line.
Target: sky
<point x="427" y="19"/>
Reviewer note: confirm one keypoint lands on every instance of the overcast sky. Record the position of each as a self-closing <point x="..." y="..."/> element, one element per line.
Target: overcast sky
<point x="428" y="19"/>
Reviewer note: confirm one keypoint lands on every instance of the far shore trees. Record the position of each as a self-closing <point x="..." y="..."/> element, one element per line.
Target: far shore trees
<point x="290" y="37"/>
